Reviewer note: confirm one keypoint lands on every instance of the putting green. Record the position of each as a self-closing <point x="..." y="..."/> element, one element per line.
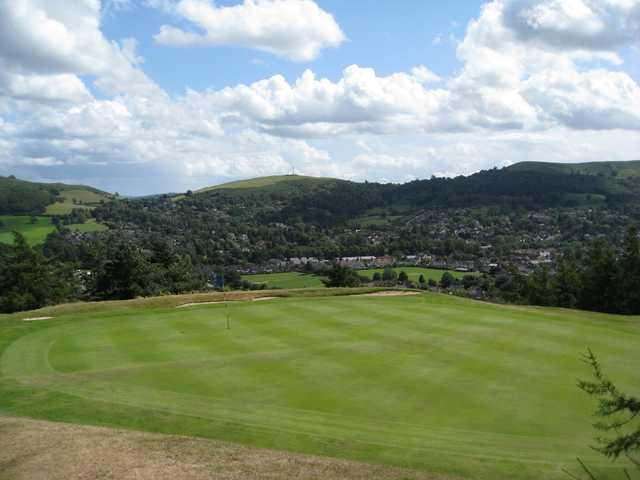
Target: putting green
<point x="430" y="382"/>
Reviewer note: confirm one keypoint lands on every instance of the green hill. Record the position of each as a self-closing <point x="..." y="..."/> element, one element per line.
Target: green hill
<point x="275" y="183"/>
<point x="19" y="197"/>
<point x="615" y="169"/>
<point x="256" y="182"/>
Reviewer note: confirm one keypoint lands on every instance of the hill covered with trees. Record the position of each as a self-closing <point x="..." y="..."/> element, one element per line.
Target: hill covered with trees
<point x="505" y="222"/>
<point x="19" y="197"/>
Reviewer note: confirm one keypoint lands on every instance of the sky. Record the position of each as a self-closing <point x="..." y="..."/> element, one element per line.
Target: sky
<point x="151" y="96"/>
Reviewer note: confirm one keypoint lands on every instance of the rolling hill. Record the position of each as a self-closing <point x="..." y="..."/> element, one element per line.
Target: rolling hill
<point x="271" y="182"/>
<point x="616" y="169"/>
<point x="20" y="197"/>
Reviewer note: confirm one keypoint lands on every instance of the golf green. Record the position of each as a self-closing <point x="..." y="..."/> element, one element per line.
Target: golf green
<point x="430" y="382"/>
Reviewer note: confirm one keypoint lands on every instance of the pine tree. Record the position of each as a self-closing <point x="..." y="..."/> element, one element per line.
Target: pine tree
<point x="566" y="284"/>
<point x="600" y="280"/>
<point x="629" y="295"/>
<point x="28" y="280"/>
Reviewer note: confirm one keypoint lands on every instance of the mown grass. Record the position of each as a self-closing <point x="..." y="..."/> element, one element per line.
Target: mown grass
<point x="414" y="273"/>
<point x="285" y="280"/>
<point x="291" y="280"/>
<point x="430" y="382"/>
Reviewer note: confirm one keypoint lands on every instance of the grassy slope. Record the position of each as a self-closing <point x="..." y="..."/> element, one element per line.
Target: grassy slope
<point x="84" y="197"/>
<point x="273" y="183"/>
<point x="87" y="196"/>
<point x="429" y="382"/>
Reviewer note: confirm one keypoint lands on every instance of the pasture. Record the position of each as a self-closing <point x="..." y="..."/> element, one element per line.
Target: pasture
<point x="37" y="232"/>
<point x="75" y="198"/>
<point x="428" y="382"/>
<point x="34" y="232"/>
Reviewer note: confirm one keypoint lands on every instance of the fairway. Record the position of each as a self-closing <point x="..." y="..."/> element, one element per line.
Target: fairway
<point x="285" y="280"/>
<point x="431" y="382"/>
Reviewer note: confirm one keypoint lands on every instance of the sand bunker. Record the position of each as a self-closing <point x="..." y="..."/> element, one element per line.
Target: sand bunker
<point x="235" y="300"/>
<point x="35" y="319"/>
<point x="392" y="293"/>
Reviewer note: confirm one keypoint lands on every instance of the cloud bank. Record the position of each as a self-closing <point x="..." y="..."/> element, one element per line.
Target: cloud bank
<point x="539" y="80"/>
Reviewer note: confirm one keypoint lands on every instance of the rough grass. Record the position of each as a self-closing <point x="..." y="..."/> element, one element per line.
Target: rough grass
<point x="428" y="382"/>
<point x="33" y="450"/>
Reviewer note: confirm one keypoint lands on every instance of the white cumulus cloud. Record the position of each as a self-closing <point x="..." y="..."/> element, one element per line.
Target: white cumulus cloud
<point x="293" y="29"/>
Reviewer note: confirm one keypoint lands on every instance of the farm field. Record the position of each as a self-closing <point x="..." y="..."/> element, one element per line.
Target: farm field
<point x="285" y="280"/>
<point x="37" y="233"/>
<point x="34" y="233"/>
<point x="75" y="198"/>
<point x="415" y="272"/>
<point x="427" y="382"/>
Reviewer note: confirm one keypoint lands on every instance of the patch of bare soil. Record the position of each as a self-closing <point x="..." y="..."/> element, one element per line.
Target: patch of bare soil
<point x="259" y="299"/>
<point x="37" y="450"/>
<point x="389" y="293"/>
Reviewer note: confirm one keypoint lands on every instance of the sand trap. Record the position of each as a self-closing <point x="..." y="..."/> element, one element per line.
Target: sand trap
<point x="228" y="301"/>
<point x="393" y="293"/>
<point x="36" y="318"/>
<point x="198" y="303"/>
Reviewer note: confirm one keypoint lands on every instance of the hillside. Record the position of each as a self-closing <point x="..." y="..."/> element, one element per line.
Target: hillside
<point x="255" y="220"/>
<point x="271" y="182"/>
<point x="611" y="169"/>
<point x="20" y="197"/>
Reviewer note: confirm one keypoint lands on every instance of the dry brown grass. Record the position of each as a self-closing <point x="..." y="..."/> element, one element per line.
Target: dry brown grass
<point x="168" y="301"/>
<point x="38" y="450"/>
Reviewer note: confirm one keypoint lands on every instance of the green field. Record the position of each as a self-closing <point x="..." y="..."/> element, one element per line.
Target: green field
<point x="37" y="233"/>
<point x="89" y="226"/>
<point x="76" y="198"/>
<point x="34" y="233"/>
<point x="431" y="382"/>
<point x="301" y="280"/>
<point x="285" y="280"/>
<point x="415" y="272"/>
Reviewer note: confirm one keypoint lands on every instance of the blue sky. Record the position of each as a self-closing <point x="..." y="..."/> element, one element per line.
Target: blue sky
<point x="387" y="38"/>
<point x="147" y="96"/>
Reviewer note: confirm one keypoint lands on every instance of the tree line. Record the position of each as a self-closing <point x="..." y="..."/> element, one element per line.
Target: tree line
<point x="596" y="278"/>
